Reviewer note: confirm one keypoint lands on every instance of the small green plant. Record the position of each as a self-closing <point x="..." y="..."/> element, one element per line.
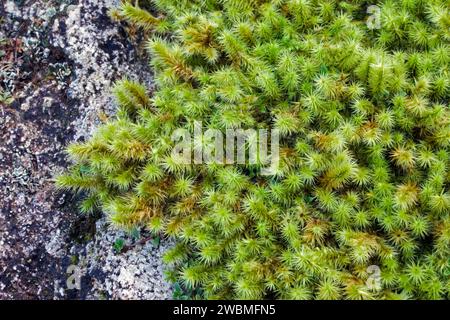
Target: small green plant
<point x="119" y="245"/>
<point x="156" y="240"/>
<point x="6" y="97"/>
<point x="364" y="175"/>
<point x="135" y="233"/>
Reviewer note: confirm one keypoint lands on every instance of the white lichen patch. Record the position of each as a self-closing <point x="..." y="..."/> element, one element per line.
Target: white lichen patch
<point x="137" y="273"/>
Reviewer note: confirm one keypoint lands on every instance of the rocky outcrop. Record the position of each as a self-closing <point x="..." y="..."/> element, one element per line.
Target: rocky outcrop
<point x="59" y="61"/>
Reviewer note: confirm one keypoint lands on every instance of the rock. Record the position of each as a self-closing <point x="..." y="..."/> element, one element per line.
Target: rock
<point x="65" y="57"/>
<point x="134" y="274"/>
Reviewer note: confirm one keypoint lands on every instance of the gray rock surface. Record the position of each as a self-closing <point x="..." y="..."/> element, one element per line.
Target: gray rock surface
<point x="58" y="61"/>
<point x="135" y="273"/>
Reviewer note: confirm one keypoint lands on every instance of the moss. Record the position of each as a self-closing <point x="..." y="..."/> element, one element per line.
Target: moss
<point x="363" y="178"/>
<point x="74" y="259"/>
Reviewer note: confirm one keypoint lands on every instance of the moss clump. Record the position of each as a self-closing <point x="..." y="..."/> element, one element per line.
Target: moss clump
<point x="364" y="151"/>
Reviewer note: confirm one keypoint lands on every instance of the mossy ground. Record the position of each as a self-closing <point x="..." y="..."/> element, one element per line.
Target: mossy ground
<point x="363" y="179"/>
